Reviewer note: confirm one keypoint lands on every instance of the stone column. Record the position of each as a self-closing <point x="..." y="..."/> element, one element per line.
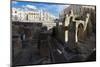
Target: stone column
<point x="66" y="27"/>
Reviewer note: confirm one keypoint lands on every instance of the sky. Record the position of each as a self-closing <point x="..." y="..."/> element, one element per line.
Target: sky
<point x="53" y="9"/>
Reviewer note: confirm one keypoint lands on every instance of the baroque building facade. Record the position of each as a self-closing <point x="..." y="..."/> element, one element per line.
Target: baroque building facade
<point x="34" y="16"/>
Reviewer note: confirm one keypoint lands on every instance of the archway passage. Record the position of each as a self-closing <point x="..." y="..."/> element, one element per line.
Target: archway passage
<point x="80" y="32"/>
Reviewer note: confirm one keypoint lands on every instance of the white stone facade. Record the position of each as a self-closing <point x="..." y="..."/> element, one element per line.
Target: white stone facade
<point x="32" y="16"/>
<point x="37" y="16"/>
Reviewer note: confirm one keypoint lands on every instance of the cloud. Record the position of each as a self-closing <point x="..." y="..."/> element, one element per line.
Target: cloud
<point x="62" y="7"/>
<point x="14" y="2"/>
<point x="30" y="6"/>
